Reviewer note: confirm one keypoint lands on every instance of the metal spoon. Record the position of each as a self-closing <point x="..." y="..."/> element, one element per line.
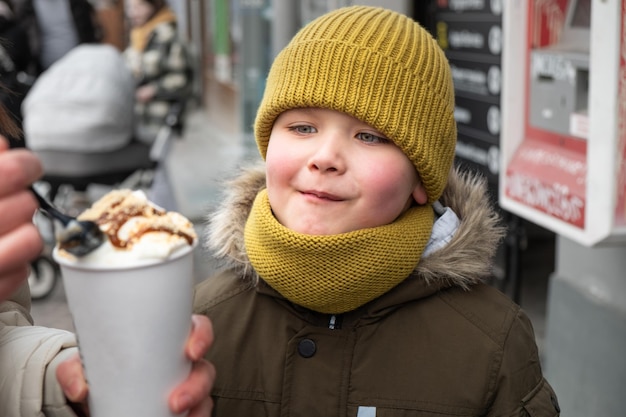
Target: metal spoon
<point x="77" y="237"/>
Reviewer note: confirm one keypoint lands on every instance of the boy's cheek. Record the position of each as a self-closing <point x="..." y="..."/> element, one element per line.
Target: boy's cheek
<point x="280" y="162"/>
<point x="277" y="172"/>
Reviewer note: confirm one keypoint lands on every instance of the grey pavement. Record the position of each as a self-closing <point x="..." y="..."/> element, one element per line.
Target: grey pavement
<point x="206" y="155"/>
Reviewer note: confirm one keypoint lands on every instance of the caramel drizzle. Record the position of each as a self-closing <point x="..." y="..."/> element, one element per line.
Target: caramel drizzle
<point x="117" y="219"/>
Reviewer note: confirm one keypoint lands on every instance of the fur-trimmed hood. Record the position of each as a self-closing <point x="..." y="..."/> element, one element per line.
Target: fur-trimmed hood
<point x="465" y="261"/>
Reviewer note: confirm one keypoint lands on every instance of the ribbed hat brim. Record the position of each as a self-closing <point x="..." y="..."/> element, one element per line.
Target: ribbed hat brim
<point x="378" y="66"/>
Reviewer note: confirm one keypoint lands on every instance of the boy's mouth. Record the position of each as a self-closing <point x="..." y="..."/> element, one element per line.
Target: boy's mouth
<point x="322" y="195"/>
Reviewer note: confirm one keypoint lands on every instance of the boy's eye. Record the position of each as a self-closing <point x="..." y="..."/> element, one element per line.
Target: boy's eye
<point x="303" y="129"/>
<point x="371" y="138"/>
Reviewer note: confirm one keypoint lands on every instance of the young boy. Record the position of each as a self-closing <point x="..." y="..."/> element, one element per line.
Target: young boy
<point x="355" y="256"/>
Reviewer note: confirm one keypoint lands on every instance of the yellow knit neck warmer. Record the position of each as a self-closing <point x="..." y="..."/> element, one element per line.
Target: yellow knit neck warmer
<point x="335" y="273"/>
<point x="139" y="36"/>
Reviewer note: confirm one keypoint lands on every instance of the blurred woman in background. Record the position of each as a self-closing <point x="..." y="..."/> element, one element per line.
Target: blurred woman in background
<point x="160" y="64"/>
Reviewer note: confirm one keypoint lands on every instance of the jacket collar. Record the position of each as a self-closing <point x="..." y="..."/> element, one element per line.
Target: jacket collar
<point x="462" y="259"/>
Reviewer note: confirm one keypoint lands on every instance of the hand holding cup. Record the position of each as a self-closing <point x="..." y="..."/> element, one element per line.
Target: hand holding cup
<point x="192" y="395"/>
<point x="130" y="300"/>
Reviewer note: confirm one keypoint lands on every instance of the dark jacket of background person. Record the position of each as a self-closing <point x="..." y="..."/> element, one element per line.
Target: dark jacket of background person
<point x="158" y="58"/>
<point x="441" y="343"/>
<point x="84" y="20"/>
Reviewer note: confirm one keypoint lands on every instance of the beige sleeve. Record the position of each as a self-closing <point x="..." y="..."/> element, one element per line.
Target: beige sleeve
<point x="29" y="356"/>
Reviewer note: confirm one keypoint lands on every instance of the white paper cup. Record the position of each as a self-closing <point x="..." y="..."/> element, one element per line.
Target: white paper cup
<point x="132" y="324"/>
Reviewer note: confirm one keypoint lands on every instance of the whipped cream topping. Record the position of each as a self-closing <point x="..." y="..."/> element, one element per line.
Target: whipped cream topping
<point x="137" y="230"/>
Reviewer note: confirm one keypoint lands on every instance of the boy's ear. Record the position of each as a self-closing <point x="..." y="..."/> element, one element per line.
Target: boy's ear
<point x="419" y="194"/>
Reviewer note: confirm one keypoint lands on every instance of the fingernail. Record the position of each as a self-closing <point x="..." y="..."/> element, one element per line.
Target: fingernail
<point x="198" y="350"/>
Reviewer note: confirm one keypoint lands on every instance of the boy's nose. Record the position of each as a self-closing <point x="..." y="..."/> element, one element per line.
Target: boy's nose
<point x="328" y="155"/>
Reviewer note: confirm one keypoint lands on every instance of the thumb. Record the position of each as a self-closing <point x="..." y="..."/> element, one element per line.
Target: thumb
<point x="72" y="380"/>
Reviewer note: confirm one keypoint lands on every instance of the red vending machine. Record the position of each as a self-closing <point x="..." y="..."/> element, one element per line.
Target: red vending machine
<point x="563" y="140"/>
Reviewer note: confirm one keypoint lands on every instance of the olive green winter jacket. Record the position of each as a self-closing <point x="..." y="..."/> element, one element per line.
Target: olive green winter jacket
<point x="442" y="343"/>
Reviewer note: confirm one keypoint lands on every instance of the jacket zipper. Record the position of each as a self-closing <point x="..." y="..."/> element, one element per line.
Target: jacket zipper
<point x="334" y="322"/>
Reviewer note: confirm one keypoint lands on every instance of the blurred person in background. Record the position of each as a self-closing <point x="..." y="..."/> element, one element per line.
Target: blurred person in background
<point x="57" y="26"/>
<point x="160" y="64"/>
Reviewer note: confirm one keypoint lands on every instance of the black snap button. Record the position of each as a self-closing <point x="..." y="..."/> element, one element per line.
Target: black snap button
<point x="306" y="348"/>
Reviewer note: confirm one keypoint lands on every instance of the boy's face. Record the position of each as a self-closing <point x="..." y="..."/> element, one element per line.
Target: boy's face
<point x="329" y="173"/>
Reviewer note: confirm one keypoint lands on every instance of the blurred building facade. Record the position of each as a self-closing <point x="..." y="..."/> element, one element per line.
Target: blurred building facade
<point x="235" y="42"/>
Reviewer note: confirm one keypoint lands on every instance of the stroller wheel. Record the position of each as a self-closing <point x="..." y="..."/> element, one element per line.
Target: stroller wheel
<point x="42" y="278"/>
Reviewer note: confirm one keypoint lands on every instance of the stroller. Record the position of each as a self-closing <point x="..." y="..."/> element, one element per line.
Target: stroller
<point x="78" y="119"/>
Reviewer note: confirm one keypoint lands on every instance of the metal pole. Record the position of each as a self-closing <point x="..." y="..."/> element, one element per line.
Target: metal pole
<point x="285" y="23"/>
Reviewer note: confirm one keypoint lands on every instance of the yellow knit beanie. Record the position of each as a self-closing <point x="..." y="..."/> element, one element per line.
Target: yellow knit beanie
<point x="378" y="66"/>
